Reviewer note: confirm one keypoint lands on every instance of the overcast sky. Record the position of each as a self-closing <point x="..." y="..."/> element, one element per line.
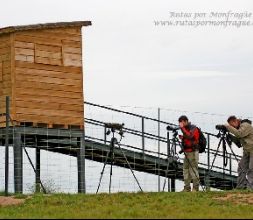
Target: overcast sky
<point x="130" y="61"/>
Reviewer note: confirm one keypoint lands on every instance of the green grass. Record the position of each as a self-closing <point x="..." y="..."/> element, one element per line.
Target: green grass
<point x="130" y="205"/>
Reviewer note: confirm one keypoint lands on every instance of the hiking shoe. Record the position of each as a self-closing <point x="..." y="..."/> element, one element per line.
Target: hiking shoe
<point x="186" y="189"/>
<point x="195" y="190"/>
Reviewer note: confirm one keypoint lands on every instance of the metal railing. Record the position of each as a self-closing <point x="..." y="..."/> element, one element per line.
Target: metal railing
<point x="141" y="133"/>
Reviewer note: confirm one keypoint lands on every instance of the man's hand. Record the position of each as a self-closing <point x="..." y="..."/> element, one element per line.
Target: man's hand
<point x="227" y="125"/>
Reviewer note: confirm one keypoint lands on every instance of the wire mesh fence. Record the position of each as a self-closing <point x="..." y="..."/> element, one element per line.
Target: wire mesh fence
<point x="56" y="165"/>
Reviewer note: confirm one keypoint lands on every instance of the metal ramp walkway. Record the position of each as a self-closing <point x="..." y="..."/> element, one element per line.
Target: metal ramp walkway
<point x="143" y="162"/>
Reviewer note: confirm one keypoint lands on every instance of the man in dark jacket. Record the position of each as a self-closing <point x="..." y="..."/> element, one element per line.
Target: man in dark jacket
<point x="190" y="141"/>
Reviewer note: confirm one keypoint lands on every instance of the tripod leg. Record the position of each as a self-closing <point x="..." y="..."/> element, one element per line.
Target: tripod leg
<point x="215" y="155"/>
<point x="167" y="171"/>
<point x="225" y="158"/>
<point x="102" y="172"/>
<point x="112" y="158"/>
<point x="166" y="176"/>
<point x="130" y="168"/>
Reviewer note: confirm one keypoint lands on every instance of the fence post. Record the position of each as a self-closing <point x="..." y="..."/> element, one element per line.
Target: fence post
<point x="173" y="179"/>
<point x="37" y="165"/>
<point x="208" y="163"/>
<point x="143" y="137"/>
<point x="18" y="163"/>
<point x="168" y="144"/>
<point x="159" y="134"/>
<point x="105" y="136"/>
<point x="7" y="145"/>
<point x="168" y="157"/>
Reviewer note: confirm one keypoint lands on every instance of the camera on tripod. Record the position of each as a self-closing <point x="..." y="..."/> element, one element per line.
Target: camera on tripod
<point x="175" y="129"/>
<point x="115" y="127"/>
<point x="172" y="128"/>
<point x="221" y="128"/>
<point x="229" y="138"/>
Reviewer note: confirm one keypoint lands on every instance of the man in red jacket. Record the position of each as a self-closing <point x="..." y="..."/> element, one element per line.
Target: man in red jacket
<point x="190" y="141"/>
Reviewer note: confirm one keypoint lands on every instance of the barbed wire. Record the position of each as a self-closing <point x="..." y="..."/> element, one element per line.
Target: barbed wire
<point x="171" y="109"/>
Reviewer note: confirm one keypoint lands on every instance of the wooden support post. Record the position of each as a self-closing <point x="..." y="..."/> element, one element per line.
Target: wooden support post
<point x="81" y="165"/>
<point x="18" y="164"/>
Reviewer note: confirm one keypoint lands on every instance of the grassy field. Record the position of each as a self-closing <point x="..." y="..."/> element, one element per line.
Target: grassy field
<point x="135" y="205"/>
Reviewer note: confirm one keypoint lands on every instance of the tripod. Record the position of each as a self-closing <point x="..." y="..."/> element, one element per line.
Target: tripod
<point x="175" y="142"/>
<point x="172" y="153"/>
<point x="226" y="139"/>
<point x="110" y="154"/>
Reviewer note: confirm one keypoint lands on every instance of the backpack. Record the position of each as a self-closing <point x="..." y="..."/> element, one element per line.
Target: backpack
<point x="202" y="142"/>
<point x="247" y="121"/>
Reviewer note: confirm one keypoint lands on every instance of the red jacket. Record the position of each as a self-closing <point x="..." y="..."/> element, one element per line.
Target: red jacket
<point x="190" y="138"/>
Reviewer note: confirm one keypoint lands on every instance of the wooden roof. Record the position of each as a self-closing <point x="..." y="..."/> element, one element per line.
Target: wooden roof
<point x="11" y="29"/>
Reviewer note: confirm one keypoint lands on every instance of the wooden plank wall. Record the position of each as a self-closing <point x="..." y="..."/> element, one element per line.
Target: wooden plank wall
<point x="5" y="73"/>
<point x="49" y="80"/>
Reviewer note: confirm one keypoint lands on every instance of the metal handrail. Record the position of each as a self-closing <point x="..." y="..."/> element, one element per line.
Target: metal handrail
<point x="139" y="116"/>
<point x="149" y="136"/>
<point x="146" y="135"/>
<point x="129" y="130"/>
